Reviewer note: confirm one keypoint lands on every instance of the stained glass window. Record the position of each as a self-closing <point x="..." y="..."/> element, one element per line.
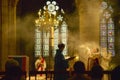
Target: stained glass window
<point x="37" y="42"/>
<point x="42" y="40"/>
<point x="107" y="29"/>
<point x="60" y="36"/>
<point x="64" y="36"/>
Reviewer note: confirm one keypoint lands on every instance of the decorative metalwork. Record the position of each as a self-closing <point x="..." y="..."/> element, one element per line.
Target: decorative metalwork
<point x="49" y="16"/>
<point x="48" y="25"/>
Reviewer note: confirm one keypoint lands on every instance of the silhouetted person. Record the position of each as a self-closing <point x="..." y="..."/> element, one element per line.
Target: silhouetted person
<point x="96" y="72"/>
<point x="79" y="69"/>
<point x="13" y="73"/>
<point x="115" y="74"/>
<point x="61" y="64"/>
<point x="10" y="63"/>
<point x="94" y="57"/>
<point x="12" y="70"/>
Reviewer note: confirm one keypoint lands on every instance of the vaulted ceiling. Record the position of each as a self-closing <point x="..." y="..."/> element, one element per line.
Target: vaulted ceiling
<point x="32" y="6"/>
<point x="29" y="6"/>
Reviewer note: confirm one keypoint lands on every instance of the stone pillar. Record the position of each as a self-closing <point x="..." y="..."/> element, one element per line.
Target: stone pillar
<point x="0" y="30"/>
<point x="88" y="12"/>
<point x="8" y="25"/>
<point x="89" y="21"/>
<point x="51" y="48"/>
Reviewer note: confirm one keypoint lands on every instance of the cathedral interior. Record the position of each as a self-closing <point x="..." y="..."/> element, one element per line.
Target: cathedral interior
<point x="17" y="28"/>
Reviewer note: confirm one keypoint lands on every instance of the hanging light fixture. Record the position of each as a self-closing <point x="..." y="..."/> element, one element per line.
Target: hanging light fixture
<point x="49" y="16"/>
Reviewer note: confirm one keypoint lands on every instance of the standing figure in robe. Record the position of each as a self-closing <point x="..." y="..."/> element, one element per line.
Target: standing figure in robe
<point x="40" y="65"/>
<point x="94" y="58"/>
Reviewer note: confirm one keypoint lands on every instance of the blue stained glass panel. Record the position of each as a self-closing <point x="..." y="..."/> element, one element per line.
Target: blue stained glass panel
<point x="110" y="39"/>
<point x="110" y="45"/>
<point x="103" y="33"/>
<point x="103" y="44"/>
<point x="112" y="52"/>
<point x="110" y="26"/>
<point x="110" y="32"/>
<point x="103" y="27"/>
<point x="103" y="39"/>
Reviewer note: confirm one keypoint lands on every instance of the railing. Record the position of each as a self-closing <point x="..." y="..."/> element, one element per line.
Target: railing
<point x="33" y="75"/>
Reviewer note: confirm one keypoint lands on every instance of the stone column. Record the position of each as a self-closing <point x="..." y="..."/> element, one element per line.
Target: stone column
<point x="8" y="25"/>
<point x="51" y="48"/>
<point x="88" y="12"/>
<point x="0" y="30"/>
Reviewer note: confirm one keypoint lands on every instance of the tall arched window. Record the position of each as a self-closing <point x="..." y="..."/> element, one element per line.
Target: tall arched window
<point x="107" y="29"/>
<point x="51" y="30"/>
<point x="42" y="40"/>
<point x="60" y="36"/>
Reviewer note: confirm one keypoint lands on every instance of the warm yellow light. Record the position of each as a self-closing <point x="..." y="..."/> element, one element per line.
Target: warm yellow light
<point x="39" y="13"/>
<point x="77" y="57"/>
<point x="47" y="17"/>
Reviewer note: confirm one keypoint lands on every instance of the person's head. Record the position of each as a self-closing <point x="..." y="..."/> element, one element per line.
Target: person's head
<point x="79" y="67"/>
<point x="96" y="72"/>
<point x="14" y="73"/>
<point x="10" y="63"/>
<point x="115" y="74"/>
<point x="61" y="46"/>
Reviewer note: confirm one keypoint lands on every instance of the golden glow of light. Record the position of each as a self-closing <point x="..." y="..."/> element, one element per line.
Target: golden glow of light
<point x="47" y="17"/>
<point x="77" y="57"/>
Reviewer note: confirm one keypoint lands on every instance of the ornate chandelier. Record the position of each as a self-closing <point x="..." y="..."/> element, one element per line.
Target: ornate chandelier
<point x="50" y="16"/>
